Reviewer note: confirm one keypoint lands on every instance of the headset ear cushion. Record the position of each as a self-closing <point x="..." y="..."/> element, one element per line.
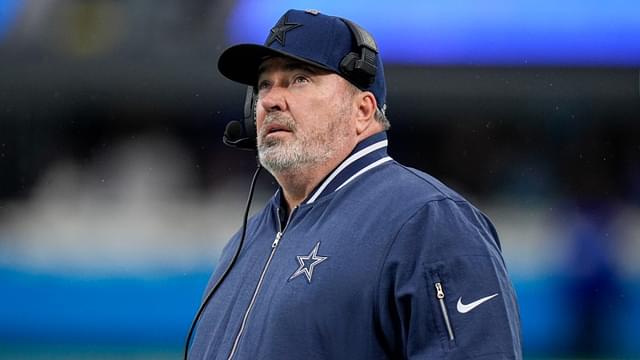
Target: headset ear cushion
<point x="250" y="115"/>
<point x="250" y="118"/>
<point x="348" y="63"/>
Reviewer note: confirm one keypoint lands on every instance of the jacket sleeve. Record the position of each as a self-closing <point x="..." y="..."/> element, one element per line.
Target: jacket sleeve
<point x="444" y="291"/>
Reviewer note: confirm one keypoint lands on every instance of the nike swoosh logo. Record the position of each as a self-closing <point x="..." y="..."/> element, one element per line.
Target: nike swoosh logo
<point x="465" y="308"/>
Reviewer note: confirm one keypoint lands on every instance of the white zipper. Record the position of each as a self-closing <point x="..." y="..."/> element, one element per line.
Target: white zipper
<point x="274" y="246"/>
<point x="445" y="314"/>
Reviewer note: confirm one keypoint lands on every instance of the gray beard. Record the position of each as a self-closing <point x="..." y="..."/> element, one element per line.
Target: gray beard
<point x="302" y="151"/>
<point x="278" y="156"/>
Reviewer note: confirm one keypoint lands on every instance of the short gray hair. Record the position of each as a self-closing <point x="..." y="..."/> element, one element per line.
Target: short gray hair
<point x="381" y="117"/>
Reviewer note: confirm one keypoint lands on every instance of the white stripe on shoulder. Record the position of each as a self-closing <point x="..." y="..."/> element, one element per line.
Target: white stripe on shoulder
<point x="369" y="149"/>
<point x="365" y="169"/>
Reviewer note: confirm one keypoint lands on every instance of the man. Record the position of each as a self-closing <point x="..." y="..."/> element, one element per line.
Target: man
<point x="355" y="256"/>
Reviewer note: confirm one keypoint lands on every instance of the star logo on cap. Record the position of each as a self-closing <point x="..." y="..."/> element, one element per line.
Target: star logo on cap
<point x="308" y="263"/>
<point x="279" y="31"/>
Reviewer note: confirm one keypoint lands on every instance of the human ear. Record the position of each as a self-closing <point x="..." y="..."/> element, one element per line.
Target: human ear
<point x="366" y="108"/>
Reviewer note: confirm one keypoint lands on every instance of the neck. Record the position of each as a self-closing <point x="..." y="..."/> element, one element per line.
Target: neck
<point x="297" y="184"/>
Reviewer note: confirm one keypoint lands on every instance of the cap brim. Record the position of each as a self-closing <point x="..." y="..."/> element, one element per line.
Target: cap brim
<point x="241" y="62"/>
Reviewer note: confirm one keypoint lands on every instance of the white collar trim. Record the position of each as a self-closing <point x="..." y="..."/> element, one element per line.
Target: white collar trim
<point x="358" y="155"/>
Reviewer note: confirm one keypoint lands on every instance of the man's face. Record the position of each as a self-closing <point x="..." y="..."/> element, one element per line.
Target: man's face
<point x="303" y="115"/>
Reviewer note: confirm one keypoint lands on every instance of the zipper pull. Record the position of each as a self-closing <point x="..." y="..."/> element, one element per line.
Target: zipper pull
<point x="439" y="291"/>
<point x="443" y="307"/>
<point x="277" y="239"/>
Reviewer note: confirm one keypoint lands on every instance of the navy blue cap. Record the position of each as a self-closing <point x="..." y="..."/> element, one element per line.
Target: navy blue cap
<point x="319" y="40"/>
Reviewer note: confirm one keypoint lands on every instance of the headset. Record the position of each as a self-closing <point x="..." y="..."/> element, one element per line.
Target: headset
<point x="242" y="134"/>
<point x="360" y="68"/>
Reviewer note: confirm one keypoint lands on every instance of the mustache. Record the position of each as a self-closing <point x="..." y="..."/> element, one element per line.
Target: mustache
<point x="279" y="119"/>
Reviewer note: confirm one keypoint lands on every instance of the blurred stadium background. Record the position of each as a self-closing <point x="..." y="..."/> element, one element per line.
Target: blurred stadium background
<point x="116" y="194"/>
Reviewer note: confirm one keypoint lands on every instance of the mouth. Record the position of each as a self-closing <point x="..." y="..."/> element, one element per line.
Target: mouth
<point x="276" y="129"/>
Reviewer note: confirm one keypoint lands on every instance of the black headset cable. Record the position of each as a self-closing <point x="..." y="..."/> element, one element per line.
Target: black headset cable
<point x="203" y="305"/>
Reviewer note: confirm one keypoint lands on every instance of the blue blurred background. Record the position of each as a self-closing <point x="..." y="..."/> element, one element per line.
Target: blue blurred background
<point x="116" y="194"/>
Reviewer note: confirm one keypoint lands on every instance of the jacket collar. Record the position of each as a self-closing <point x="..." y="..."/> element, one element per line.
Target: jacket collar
<point x="368" y="154"/>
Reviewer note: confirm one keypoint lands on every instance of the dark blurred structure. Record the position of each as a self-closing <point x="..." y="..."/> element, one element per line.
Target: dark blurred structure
<point x="79" y="74"/>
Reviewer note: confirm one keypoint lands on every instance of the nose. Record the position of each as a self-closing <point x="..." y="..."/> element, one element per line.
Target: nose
<point x="273" y="100"/>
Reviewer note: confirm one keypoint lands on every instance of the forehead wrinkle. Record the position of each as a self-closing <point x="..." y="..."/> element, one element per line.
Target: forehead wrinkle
<point x="289" y="66"/>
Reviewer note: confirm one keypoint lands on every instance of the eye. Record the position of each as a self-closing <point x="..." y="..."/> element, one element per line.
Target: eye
<point x="300" y="79"/>
<point x="264" y="84"/>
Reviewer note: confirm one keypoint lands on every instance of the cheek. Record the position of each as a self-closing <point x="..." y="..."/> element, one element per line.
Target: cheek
<point x="331" y="110"/>
<point x="313" y="111"/>
<point x="259" y="116"/>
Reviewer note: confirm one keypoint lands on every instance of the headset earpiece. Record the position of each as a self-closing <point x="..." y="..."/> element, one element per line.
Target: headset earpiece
<point x="361" y="67"/>
<point x="250" y="114"/>
<point x="242" y="135"/>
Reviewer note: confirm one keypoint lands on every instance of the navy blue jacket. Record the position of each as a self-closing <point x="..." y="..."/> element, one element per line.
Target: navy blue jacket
<point x="381" y="262"/>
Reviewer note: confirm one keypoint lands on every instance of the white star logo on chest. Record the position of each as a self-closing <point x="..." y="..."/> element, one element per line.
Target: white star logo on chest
<point x="307" y="263"/>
